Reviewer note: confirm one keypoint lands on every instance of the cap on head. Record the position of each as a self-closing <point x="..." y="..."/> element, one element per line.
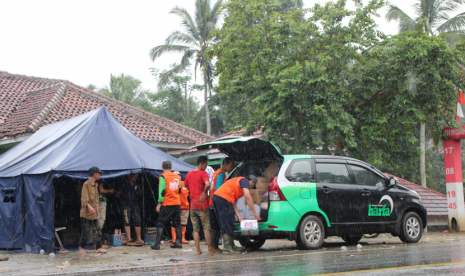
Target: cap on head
<point x="253" y="178"/>
<point x="94" y="170"/>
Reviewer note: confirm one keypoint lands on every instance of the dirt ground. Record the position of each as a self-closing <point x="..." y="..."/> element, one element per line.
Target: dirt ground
<point x="127" y="258"/>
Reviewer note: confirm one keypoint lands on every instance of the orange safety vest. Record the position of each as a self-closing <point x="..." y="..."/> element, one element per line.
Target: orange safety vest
<point x="184" y="194"/>
<point x="231" y="190"/>
<point x="172" y="182"/>
<point x="212" y="185"/>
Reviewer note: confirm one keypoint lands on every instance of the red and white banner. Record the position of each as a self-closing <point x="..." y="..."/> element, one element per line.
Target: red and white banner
<point x="460" y="101"/>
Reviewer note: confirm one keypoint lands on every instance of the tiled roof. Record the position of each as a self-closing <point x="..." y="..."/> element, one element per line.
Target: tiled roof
<point x="28" y="103"/>
<point x="240" y="132"/>
<point x="434" y="202"/>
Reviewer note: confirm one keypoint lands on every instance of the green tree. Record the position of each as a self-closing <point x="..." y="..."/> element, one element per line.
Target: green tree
<point x="174" y="100"/>
<point x="144" y="101"/>
<point x="91" y="87"/>
<point x="289" y="75"/>
<point x="289" y="5"/>
<point x="122" y="88"/>
<point x="193" y="43"/>
<point x="408" y="79"/>
<point x="434" y="17"/>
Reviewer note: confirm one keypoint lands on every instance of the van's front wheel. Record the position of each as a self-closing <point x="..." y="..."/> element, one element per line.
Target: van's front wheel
<point x="311" y="233"/>
<point x="253" y="243"/>
<point x="411" y="228"/>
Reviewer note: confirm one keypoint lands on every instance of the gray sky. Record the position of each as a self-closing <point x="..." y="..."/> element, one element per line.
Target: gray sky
<point x="87" y="40"/>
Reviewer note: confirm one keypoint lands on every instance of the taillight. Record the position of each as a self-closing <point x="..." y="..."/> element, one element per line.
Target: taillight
<point x="274" y="191"/>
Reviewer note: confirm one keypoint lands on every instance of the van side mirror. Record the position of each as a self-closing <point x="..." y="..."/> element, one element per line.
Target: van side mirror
<point x="393" y="181"/>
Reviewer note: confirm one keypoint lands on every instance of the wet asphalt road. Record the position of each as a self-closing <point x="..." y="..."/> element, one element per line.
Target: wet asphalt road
<point x="385" y="258"/>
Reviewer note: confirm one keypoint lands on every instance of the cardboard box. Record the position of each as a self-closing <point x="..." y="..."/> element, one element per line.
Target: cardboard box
<point x="270" y="171"/>
<point x="117" y="240"/>
<point x="150" y="236"/>
<point x="263" y="184"/>
<point x="257" y="196"/>
<point x="249" y="227"/>
<point x="150" y="230"/>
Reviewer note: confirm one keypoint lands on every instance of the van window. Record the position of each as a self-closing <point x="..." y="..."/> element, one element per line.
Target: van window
<point x="366" y="177"/>
<point x="300" y="170"/>
<point x="332" y="173"/>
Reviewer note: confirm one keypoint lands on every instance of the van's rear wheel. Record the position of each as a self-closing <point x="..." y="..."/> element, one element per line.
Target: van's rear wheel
<point x="311" y="233"/>
<point x="411" y="228"/>
<point x="351" y="239"/>
<point x="253" y="243"/>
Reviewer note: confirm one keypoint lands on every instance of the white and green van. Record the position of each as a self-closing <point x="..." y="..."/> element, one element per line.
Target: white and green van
<point x="312" y="197"/>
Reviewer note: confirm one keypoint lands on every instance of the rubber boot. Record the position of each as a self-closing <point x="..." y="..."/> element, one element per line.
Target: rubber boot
<point x="178" y="243"/>
<point x="228" y="245"/>
<point x="238" y="248"/>
<point x="173" y="234"/>
<point x="184" y="235"/>
<point x="215" y="236"/>
<point x="156" y="246"/>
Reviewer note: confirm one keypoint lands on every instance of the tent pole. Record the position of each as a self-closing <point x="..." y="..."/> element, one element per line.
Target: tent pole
<point x="143" y="204"/>
<point x="23" y="208"/>
<point x="53" y="209"/>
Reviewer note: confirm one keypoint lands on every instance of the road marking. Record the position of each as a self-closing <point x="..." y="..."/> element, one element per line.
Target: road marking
<point x="388" y="268"/>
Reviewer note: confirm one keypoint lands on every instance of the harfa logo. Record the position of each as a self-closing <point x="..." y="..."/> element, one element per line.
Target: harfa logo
<point x="174" y="185"/>
<point x="381" y="210"/>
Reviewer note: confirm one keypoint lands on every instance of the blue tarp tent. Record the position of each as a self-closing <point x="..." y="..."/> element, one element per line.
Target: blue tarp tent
<point x="68" y="148"/>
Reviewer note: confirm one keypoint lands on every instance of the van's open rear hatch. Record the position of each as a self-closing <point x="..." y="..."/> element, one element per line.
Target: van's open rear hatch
<point x="245" y="149"/>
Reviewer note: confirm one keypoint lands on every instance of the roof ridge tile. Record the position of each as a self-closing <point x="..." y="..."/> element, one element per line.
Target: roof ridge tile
<point x="7" y="74"/>
<point x="50" y="105"/>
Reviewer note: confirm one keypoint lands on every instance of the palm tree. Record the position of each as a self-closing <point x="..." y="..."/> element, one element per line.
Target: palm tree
<point x="122" y="88"/>
<point x="193" y="43"/>
<point x="434" y="16"/>
<point x="91" y="87"/>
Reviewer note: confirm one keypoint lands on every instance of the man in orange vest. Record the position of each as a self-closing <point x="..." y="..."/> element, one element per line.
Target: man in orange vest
<point x="184" y="212"/>
<point x="225" y="200"/>
<point x="219" y="177"/>
<point x="169" y="204"/>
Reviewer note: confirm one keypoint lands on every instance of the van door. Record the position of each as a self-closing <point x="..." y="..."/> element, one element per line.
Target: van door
<point x="300" y="175"/>
<point x="377" y="199"/>
<point x="338" y="196"/>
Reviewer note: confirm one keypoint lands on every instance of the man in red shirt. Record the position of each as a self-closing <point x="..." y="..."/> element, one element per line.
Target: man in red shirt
<point x="198" y="183"/>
